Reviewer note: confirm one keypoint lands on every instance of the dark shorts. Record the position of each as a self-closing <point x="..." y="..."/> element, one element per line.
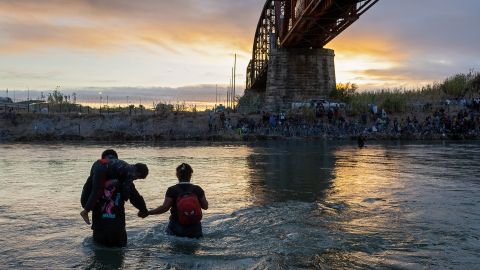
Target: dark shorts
<point x="191" y="231"/>
<point x="115" y="238"/>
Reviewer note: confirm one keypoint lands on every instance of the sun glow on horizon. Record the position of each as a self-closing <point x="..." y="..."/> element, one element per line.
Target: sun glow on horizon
<point x="350" y="69"/>
<point x="82" y="44"/>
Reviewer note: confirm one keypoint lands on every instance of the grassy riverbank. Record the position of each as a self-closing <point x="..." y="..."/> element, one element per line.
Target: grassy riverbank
<point x="460" y="86"/>
<point x="447" y="110"/>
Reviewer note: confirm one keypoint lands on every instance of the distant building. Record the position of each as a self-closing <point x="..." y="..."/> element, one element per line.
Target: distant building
<point x="5" y="100"/>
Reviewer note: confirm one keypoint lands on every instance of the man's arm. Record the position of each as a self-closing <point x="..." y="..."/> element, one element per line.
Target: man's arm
<point x="202" y="199"/>
<point x="204" y="203"/>
<point x="87" y="188"/>
<point x="98" y="179"/>
<point x="137" y="200"/>
<point x="167" y="203"/>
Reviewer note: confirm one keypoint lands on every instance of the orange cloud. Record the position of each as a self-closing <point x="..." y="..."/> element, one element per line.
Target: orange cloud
<point x="82" y="25"/>
<point x="366" y="44"/>
<point x="383" y="47"/>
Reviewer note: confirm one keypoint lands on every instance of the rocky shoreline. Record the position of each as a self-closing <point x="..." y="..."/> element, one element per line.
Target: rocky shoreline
<point x="208" y="126"/>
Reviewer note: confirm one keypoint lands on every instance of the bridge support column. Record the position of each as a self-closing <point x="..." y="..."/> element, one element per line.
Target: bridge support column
<point x="298" y="75"/>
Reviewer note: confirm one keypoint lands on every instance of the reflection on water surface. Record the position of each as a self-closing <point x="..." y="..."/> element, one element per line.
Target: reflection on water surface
<point x="274" y="205"/>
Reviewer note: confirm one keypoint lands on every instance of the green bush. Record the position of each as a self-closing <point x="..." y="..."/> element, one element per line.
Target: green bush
<point x="343" y="92"/>
<point x="398" y="100"/>
<point x="250" y="101"/>
<point x="456" y="86"/>
<point x="475" y="83"/>
<point x="394" y="102"/>
<point x="391" y="100"/>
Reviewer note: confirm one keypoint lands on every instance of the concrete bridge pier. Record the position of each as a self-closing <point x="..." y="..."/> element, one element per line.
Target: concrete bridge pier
<point x="298" y="75"/>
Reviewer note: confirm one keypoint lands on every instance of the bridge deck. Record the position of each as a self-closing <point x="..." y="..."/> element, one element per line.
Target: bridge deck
<point x="299" y="24"/>
<point x="314" y="23"/>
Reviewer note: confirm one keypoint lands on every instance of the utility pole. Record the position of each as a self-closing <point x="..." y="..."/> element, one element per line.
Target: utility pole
<point x="216" y="96"/>
<point x="231" y="91"/>
<point x="234" y="75"/>
<point x="228" y="94"/>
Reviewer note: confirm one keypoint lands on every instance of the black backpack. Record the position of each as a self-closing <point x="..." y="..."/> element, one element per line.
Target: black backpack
<point x="87" y="187"/>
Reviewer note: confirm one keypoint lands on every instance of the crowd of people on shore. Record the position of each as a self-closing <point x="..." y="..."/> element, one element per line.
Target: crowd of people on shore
<point x="451" y="119"/>
<point x="459" y="120"/>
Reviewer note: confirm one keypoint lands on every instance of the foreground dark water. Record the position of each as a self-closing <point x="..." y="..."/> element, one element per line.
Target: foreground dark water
<point x="274" y="205"/>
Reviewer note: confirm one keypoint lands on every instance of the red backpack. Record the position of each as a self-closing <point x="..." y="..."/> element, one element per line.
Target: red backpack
<point x="188" y="208"/>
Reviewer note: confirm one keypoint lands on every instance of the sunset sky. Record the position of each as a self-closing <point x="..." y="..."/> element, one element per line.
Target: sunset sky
<point x="183" y="48"/>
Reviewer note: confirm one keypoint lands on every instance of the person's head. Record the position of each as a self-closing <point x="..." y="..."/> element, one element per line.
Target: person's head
<point x="109" y="154"/>
<point x="141" y="170"/>
<point x="184" y="172"/>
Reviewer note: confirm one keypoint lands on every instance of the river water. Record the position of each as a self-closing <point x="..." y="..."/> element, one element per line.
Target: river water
<point x="273" y="205"/>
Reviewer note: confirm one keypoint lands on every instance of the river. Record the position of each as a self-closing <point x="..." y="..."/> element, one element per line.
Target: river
<point x="273" y="205"/>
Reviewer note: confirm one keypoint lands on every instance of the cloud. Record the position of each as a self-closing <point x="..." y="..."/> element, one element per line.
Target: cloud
<point x="396" y="42"/>
<point x="107" y="25"/>
<point x="29" y="75"/>
<point x="148" y="95"/>
<point x="409" y="43"/>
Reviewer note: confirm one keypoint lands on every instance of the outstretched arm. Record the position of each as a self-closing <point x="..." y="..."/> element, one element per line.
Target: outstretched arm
<point x="84" y="215"/>
<point x="137" y="200"/>
<point x="204" y="203"/>
<point x="87" y="189"/>
<point x="167" y="203"/>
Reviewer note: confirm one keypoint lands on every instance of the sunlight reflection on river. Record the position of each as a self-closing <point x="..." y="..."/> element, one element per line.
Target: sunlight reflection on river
<point x="273" y="205"/>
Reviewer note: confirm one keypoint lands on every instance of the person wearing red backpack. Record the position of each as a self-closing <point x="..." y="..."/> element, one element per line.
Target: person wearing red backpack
<point x="185" y="202"/>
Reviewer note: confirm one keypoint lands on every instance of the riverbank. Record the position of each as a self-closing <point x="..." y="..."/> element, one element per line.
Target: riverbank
<point x="447" y="110"/>
<point x="455" y="122"/>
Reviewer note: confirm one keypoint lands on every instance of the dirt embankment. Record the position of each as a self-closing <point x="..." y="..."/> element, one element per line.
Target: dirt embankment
<point x="188" y="126"/>
<point x="113" y="127"/>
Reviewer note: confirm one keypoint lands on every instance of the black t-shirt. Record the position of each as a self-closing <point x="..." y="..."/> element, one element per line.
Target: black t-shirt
<point x="109" y="211"/>
<point x="111" y="185"/>
<point x="174" y="191"/>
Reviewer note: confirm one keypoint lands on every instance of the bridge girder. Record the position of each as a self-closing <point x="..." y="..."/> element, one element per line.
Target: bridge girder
<point x="299" y="24"/>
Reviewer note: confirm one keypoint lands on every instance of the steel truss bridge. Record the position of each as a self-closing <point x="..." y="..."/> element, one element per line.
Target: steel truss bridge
<point x="299" y="24"/>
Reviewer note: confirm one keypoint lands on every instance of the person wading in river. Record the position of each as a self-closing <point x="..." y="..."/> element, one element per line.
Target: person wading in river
<point x="112" y="185"/>
<point x="185" y="201"/>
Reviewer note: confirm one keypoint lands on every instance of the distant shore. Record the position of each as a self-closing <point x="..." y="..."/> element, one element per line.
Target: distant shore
<point x="439" y="111"/>
<point x="436" y="124"/>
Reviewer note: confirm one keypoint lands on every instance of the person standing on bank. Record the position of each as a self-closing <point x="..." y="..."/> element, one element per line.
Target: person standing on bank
<point x="185" y="201"/>
<point x="112" y="186"/>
